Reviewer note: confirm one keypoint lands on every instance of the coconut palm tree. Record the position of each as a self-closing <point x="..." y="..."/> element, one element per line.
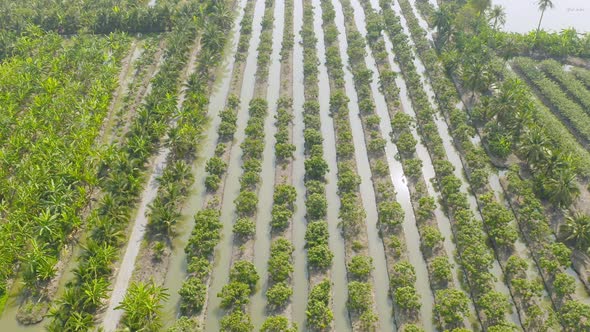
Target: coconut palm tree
<point x="222" y="15"/>
<point x="556" y="160"/>
<point x="480" y="5"/>
<point x="79" y="321"/>
<point x="543" y="5"/>
<point x="213" y="39"/>
<point x="562" y="187"/>
<point x="534" y="146"/>
<point x="106" y="230"/>
<point x="576" y="228"/>
<point x="94" y="291"/>
<point x="47" y="227"/>
<point x="442" y="21"/>
<point x="163" y="217"/>
<point x="476" y="76"/>
<point x="497" y="16"/>
<point x="142" y="306"/>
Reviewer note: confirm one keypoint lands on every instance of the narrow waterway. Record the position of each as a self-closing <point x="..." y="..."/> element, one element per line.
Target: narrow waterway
<point x="263" y="217"/>
<point x="220" y="272"/>
<point x="300" y="275"/>
<point x="398" y="179"/>
<point x="177" y="269"/>
<point x="375" y="244"/>
<point x="455" y="160"/>
<point x="336" y="241"/>
<point x="443" y="222"/>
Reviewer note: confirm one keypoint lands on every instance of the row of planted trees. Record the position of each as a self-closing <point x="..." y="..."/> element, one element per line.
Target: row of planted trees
<point x="451" y="304"/>
<point x="206" y="233"/>
<point x="352" y="215"/>
<point x="319" y="257"/>
<point x="121" y="173"/>
<point x="550" y="257"/>
<point x="142" y="308"/>
<point x="391" y="215"/>
<point x="234" y="296"/>
<point x="280" y="262"/>
<point x="498" y="219"/>
<point x="475" y="257"/>
<point x="565" y="108"/>
<point x="96" y="17"/>
<point x="184" y="136"/>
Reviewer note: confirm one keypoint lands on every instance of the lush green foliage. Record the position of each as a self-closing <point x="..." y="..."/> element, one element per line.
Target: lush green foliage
<point x="568" y="81"/>
<point x="583" y="75"/>
<point x="142" y="306"/>
<point x="559" y="101"/>
<point x="318" y="310"/>
<point x="121" y="172"/>
<point x="206" y="232"/>
<point x="475" y="257"/>
<point x="50" y="157"/>
<point x="283" y="148"/>
<point x="277" y="324"/>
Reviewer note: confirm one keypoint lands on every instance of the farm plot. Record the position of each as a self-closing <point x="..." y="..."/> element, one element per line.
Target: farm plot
<point x="316" y="165"/>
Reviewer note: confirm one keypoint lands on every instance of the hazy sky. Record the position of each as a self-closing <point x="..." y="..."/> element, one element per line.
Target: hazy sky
<point x="523" y="15"/>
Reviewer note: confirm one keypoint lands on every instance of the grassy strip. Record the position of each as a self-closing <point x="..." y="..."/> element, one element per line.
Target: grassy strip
<point x="568" y="82"/>
<point x="583" y="75"/>
<point x="558" y="101"/>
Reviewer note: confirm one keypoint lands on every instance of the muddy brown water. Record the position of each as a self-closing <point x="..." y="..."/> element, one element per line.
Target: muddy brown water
<point x="220" y="272"/>
<point x="375" y="244"/>
<point x="335" y="240"/>
<point x="177" y="269"/>
<point x="263" y="217"/>
<point x="399" y="181"/>
<point x="454" y="159"/>
<point x="300" y="275"/>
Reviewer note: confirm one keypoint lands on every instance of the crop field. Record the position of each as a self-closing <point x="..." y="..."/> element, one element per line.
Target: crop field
<point x="292" y="165"/>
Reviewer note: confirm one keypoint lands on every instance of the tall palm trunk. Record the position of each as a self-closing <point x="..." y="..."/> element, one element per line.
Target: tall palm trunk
<point x="539" y="25"/>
